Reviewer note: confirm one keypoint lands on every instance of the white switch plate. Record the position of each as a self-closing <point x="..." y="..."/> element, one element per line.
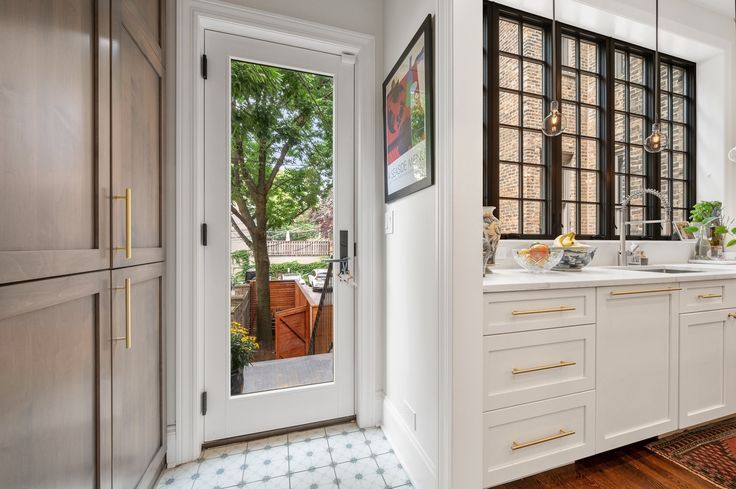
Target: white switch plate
<point x="389" y="221"/>
<point x="410" y="416"/>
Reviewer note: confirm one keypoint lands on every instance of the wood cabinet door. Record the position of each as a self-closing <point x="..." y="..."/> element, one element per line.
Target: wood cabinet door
<point x="54" y="379"/>
<point x="54" y="138"/>
<point x="137" y="132"/>
<point x="636" y="363"/>
<point x="707" y="366"/>
<point x="138" y="376"/>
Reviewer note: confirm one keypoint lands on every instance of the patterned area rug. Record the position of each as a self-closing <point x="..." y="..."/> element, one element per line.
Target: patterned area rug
<point x="709" y="451"/>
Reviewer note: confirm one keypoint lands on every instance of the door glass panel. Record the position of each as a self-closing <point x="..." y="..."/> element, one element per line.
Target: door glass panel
<point x="281" y="215"/>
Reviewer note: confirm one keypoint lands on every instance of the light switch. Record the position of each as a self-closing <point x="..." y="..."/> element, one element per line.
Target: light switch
<point x="389" y="221"/>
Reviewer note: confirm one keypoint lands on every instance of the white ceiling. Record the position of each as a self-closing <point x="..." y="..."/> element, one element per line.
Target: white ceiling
<point x="725" y="7"/>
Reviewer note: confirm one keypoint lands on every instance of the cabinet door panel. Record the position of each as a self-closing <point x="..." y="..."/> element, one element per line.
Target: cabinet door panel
<point x="707" y="367"/>
<point x="137" y="114"/>
<point x="54" y="371"/>
<point x="138" y="400"/>
<point x="54" y="138"/>
<point x="636" y="364"/>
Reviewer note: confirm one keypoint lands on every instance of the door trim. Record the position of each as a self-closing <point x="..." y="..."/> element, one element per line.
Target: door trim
<point x="193" y="17"/>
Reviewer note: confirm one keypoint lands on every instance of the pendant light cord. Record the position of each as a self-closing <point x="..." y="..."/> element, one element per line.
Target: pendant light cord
<point x="656" y="64"/>
<point x="554" y="51"/>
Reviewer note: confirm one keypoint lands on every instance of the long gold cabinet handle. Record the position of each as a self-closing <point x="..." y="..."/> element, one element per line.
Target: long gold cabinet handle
<point x="543" y="311"/>
<point x="645" y="291"/>
<point x="517" y="371"/>
<point x="562" y="434"/>
<point x="732" y="315"/>
<point x="710" y="296"/>
<point x="128" y="338"/>
<point x="128" y="248"/>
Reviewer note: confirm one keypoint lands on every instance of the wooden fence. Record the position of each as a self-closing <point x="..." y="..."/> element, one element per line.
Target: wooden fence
<point x="320" y="247"/>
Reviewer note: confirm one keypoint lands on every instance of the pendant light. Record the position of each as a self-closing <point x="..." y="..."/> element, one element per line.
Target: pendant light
<point x="655" y="143"/>
<point x="732" y="153"/>
<point x="554" y="123"/>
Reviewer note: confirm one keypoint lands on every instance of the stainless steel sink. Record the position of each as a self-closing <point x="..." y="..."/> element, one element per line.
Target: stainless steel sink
<point x="662" y="270"/>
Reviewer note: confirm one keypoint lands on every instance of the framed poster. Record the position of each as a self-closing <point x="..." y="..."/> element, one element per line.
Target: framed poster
<point x="407" y="118"/>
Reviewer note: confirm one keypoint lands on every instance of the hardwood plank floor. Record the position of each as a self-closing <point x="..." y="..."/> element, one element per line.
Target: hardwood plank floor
<point x="632" y="467"/>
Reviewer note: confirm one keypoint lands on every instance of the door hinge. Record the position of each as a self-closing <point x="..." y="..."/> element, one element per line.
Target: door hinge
<point x="204" y="66"/>
<point x="204" y="403"/>
<point x="355" y="249"/>
<point x="204" y="234"/>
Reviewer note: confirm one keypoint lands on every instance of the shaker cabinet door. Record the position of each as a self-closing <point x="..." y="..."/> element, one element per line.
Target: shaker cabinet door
<point x="137" y="132"/>
<point x="54" y="138"/>
<point x="138" y="375"/>
<point x="54" y="379"/>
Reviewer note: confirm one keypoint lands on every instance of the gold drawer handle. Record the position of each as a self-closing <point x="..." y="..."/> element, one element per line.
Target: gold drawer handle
<point x="645" y="291"/>
<point x="517" y="371"/>
<point x="543" y="311"/>
<point x="561" y="434"/>
<point x="128" y="319"/>
<point x="732" y="315"/>
<point x="710" y="296"/>
<point x="128" y="197"/>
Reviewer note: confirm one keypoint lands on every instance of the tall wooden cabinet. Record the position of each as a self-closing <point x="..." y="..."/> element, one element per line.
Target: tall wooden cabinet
<point x="82" y="338"/>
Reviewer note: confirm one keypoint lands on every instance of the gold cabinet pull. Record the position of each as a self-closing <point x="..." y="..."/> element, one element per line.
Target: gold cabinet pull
<point x="563" y="363"/>
<point x="645" y="291"/>
<point x="128" y="248"/>
<point x="562" y="434"/>
<point x="543" y="311"/>
<point x="710" y="296"/>
<point x="128" y="317"/>
<point x="732" y="315"/>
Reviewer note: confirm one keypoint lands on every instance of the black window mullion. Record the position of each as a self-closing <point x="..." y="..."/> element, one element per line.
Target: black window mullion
<point x="608" y="197"/>
<point x="554" y="145"/>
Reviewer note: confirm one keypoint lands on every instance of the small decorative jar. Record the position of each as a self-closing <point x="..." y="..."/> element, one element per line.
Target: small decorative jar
<point x="491" y="237"/>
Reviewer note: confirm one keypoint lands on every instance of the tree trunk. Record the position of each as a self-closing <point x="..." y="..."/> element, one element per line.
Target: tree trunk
<point x="263" y="293"/>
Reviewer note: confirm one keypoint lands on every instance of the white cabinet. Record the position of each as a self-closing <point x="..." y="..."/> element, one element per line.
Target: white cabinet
<point x="636" y="363"/>
<point x="536" y="365"/>
<point x="707" y="366"/>
<point x="707" y="295"/>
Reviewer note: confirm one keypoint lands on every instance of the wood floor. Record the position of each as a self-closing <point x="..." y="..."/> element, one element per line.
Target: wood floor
<point x="632" y="467"/>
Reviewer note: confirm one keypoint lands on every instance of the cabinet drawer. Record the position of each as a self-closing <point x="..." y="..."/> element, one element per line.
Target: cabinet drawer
<point x="509" y="312"/>
<point x="532" y="438"/>
<point x="707" y="295"/>
<point x="535" y="365"/>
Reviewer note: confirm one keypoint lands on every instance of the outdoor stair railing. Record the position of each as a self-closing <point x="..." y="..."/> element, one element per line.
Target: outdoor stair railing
<point x="321" y="338"/>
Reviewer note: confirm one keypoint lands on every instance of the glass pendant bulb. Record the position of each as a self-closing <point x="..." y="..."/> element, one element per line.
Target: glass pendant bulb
<point x="554" y="123"/>
<point x="732" y="154"/>
<point x="655" y="142"/>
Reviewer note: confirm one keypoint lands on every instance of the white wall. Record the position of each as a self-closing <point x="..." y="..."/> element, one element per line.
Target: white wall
<point x="411" y="285"/>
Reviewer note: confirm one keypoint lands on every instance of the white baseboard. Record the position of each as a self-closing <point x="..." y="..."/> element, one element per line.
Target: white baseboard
<point x="172" y="458"/>
<point x="417" y="464"/>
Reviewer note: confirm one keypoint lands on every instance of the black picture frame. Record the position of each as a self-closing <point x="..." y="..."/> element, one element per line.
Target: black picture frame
<point x="400" y="184"/>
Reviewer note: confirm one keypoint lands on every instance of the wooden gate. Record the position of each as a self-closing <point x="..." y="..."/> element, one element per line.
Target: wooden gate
<point x="292" y="332"/>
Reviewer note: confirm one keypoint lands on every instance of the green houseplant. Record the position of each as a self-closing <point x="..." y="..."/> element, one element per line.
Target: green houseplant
<point x="243" y="348"/>
<point x="709" y="224"/>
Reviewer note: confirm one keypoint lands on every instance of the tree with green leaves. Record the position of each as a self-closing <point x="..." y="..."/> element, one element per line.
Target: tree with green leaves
<point x="281" y="160"/>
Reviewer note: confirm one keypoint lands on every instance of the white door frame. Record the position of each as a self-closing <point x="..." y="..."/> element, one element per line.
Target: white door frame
<point x="193" y="17"/>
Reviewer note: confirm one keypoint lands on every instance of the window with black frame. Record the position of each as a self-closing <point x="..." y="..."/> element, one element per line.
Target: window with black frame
<point x="543" y="186"/>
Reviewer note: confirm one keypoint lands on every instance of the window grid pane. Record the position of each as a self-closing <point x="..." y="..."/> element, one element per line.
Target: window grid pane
<point x="522" y="172"/>
<point x="582" y="177"/>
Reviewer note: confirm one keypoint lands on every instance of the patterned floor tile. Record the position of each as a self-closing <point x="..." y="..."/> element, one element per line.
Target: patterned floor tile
<point x="180" y="477"/>
<point x="324" y="478"/>
<point x="268" y="463"/>
<point x="220" y="472"/>
<point x="306" y="435"/>
<point x="234" y="449"/>
<point x="273" y="441"/>
<point x="309" y="454"/>
<point x="377" y="441"/>
<point x="275" y="483"/>
<point x="360" y="474"/>
<point x="392" y="471"/>
<point x="342" y="428"/>
<point x="348" y="446"/>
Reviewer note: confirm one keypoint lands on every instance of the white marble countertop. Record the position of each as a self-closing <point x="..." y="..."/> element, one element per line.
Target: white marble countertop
<point x="514" y="279"/>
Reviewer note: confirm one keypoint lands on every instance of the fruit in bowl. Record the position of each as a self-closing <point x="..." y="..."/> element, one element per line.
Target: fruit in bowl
<point x="537" y="258"/>
<point x="576" y="255"/>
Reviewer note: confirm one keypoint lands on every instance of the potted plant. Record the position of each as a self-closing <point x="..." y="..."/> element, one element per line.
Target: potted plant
<point x="711" y="228"/>
<point x="243" y="348"/>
